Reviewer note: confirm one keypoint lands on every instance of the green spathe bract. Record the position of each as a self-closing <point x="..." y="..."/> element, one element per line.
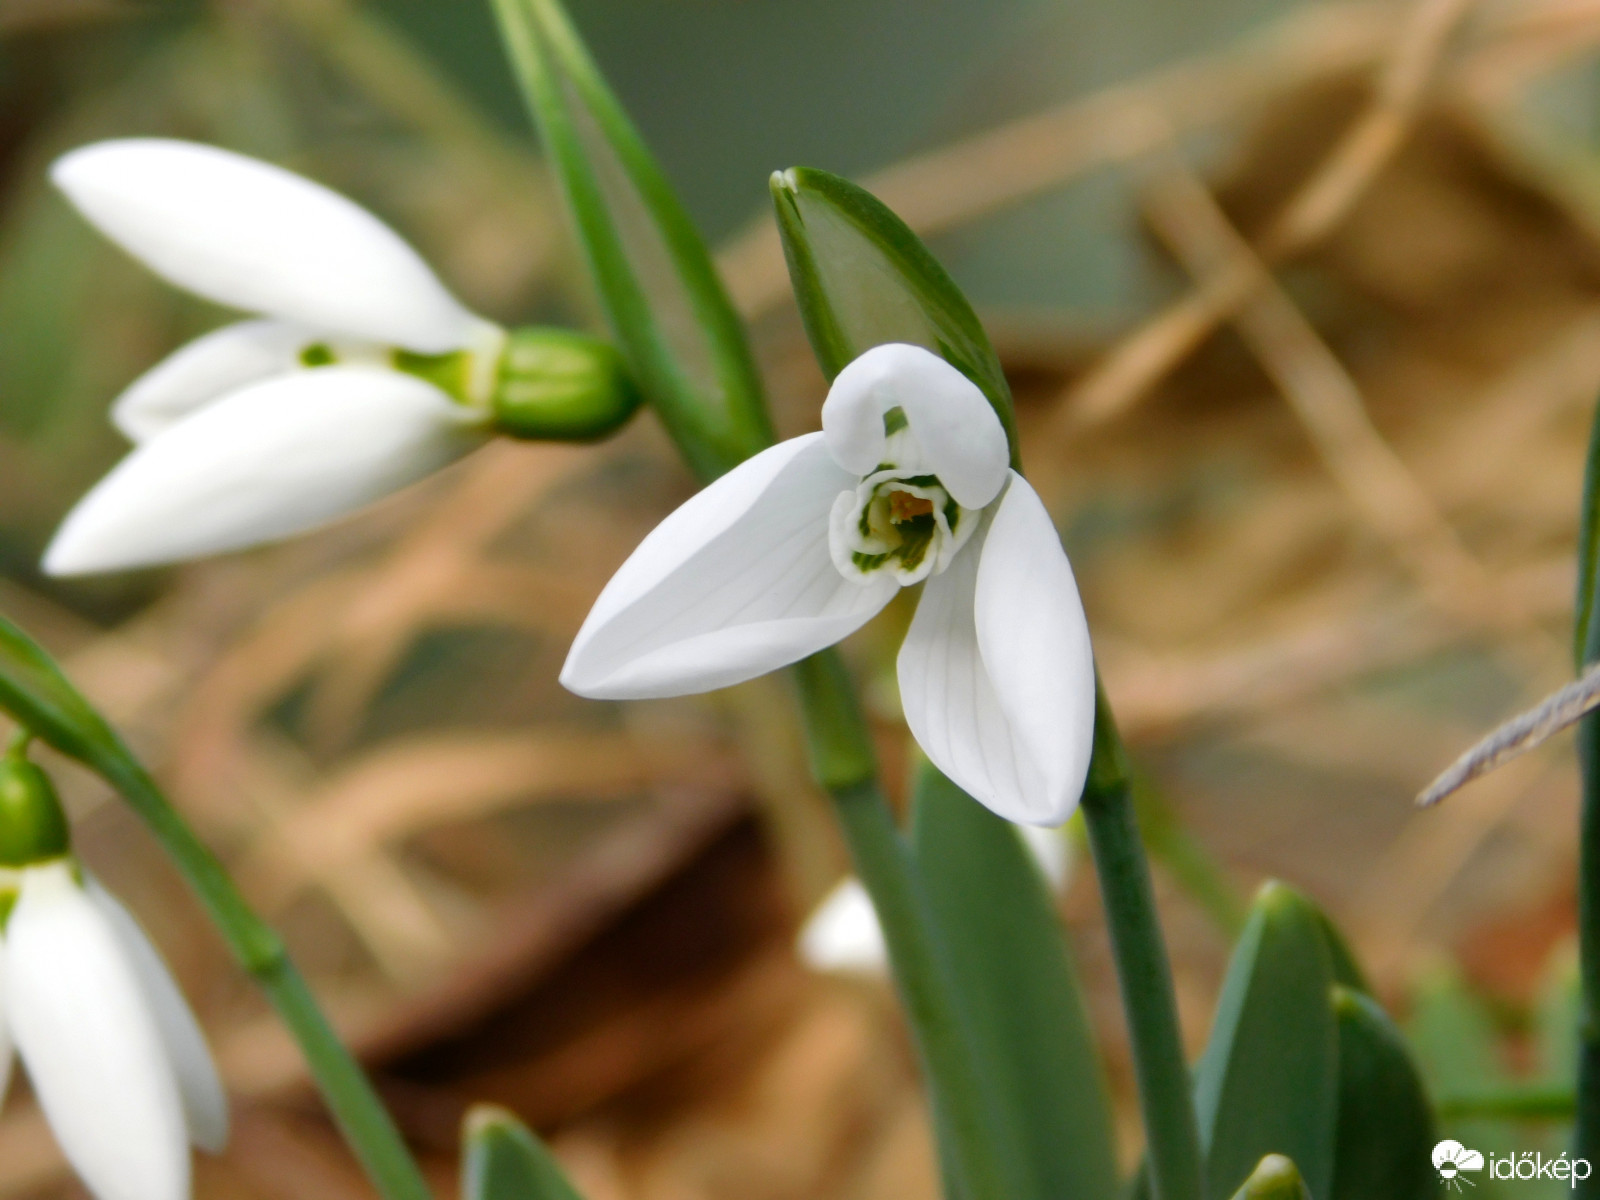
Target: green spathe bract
<point x="862" y="278"/>
<point x="33" y="828"/>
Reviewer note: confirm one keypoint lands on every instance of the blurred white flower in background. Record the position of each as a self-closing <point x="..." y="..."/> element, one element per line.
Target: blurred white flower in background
<point x="273" y="426"/>
<point x="909" y="481"/>
<point x="842" y="934"/>
<point x="115" y="1057"/>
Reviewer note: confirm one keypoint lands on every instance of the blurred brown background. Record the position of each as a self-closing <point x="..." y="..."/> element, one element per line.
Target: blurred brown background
<point x="1301" y="303"/>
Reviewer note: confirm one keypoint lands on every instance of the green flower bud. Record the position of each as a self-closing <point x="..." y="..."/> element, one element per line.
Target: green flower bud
<point x="557" y="385"/>
<point x="33" y="828"/>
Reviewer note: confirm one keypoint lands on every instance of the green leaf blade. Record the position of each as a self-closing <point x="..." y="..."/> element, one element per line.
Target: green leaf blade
<point x="862" y="278"/>
<point x="502" y="1160"/>
<point x="1018" y="989"/>
<point x="1268" y="1080"/>
<point x="1386" y="1129"/>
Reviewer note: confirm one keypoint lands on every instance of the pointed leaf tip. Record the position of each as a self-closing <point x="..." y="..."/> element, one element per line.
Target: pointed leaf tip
<point x="503" y="1160"/>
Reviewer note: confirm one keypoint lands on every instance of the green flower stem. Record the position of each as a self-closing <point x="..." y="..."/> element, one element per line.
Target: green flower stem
<point x="361" y="1117"/>
<point x="985" y="1154"/>
<point x="1165" y="1093"/>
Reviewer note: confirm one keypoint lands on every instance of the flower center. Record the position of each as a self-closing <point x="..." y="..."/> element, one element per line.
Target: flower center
<point x="906" y="525"/>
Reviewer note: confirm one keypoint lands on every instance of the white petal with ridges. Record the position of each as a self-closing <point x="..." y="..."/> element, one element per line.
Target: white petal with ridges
<point x="737" y="582"/>
<point x="950" y="419"/>
<point x="256" y="237"/>
<point x="1026" y="764"/>
<point x="204" y="370"/>
<point x="1034" y="641"/>
<point x="843" y="934"/>
<point x="205" y="1103"/>
<point x="91" y="1047"/>
<point x="274" y="459"/>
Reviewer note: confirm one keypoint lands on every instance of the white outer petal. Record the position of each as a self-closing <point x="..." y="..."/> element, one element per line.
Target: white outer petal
<point x="737" y="582"/>
<point x="90" y="1044"/>
<point x="205" y="1103"/>
<point x="1035" y="645"/>
<point x="254" y="236"/>
<point x="843" y="934"/>
<point x="1050" y="850"/>
<point x="274" y="459"/>
<point x="960" y="435"/>
<point x="204" y="370"/>
<point x="998" y="686"/>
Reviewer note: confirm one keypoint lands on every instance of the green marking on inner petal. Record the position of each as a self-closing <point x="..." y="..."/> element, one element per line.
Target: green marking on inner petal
<point x="868" y="562"/>
<point x="916" y="536"/>
<point x="318" y="354"/>
<point x="894" y="421"/>
<point x="952" y="514"/>
<point x="8" y="901"/>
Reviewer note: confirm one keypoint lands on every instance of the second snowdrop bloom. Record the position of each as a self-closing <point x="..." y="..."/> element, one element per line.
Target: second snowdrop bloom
<point x="361" y="373"/>
<point x="908" y="482"/>
<point x="115" y="1057"/>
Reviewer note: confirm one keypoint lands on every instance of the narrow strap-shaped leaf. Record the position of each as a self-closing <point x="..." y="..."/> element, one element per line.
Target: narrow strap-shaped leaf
<point x="1268" y="1081"/>
<point x="1588" y="552"/>
<point x="657" y="284"/>
<point x="1005" y="944"/>
<point x="863" y="279"/>
<point x="502" y="1160"/>
<point x="1275" y="1178"/>
<point x="1385" y="1129"/>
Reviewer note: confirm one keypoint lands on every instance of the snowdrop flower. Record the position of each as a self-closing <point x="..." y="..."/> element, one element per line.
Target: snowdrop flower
<point x="842" y="935"/>
<point x="116" y="1059"/>
<point x="361" y="373"/>
<point x="908" y="482"/>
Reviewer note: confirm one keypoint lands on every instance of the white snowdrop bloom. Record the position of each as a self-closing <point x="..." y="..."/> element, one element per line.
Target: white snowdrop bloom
<point x="362" y="375"/>
<point x="115" y="1057"/>
<point x="909" y="481"/>
<point x="842" y="934"/>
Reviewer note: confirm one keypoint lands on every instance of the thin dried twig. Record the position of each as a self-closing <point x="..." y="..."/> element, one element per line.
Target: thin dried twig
<point x="1323" y="396"/>
<point x="1519" y="735"/>
<point x="1152" y="350"/>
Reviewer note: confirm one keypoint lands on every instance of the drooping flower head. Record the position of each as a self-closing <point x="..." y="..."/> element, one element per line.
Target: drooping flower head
<point x="362" y="373"/>
<point x="116" y="1059"/>
<point x="908" y="482"/>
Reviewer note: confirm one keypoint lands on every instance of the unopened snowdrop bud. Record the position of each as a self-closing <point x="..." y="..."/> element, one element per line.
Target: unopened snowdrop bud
<point x="116" y="1059"/>
<point x="563" y="386"/>
<point x="33" y="828"/>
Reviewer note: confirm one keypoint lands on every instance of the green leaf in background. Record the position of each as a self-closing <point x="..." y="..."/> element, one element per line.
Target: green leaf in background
<point x="1007" y="951"/>
<point x="41" y="699"/>
<point x="862" y="278"/>
<point x="1268" y="1082"/>
<point x="1275" y="1178"/>
<point x="657" y="284"/>
<point x="502" y="1160"/>
<point x="1385" y="1127"/>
